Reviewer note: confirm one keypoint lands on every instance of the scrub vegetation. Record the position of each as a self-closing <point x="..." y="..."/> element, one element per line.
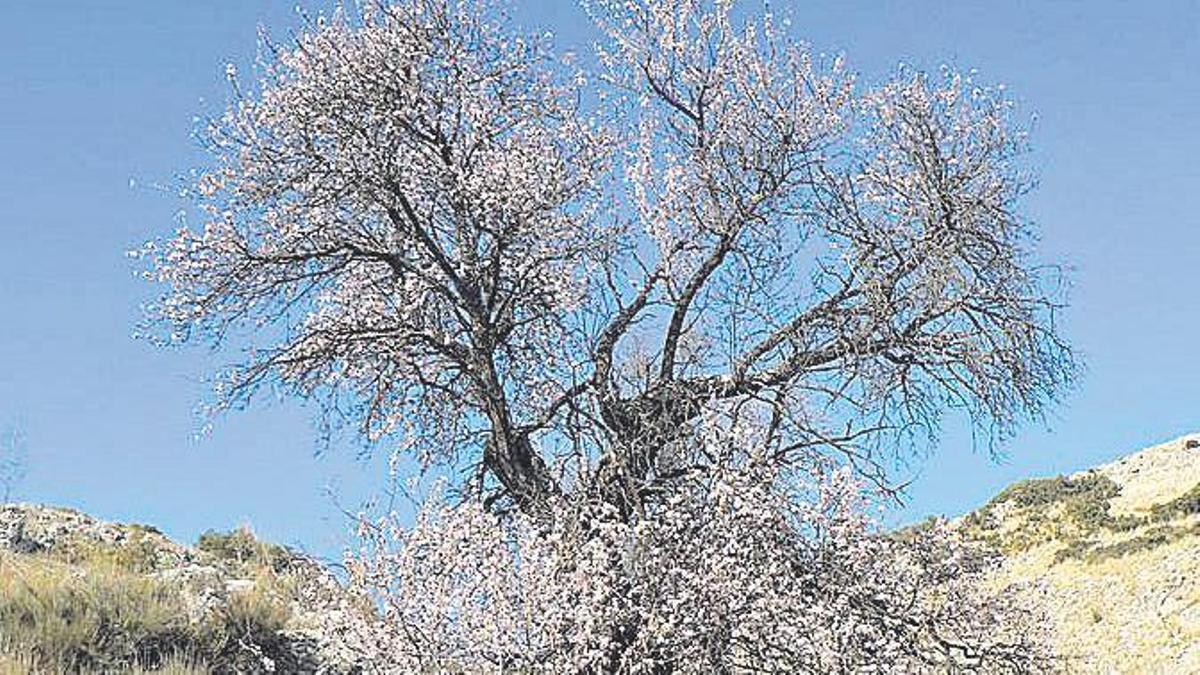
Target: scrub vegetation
<point x="102" y="598"/>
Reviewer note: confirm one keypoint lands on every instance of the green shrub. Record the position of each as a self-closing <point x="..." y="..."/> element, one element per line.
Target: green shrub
<point x="1085" y="511"/>
<point x="1076" y="549"/>
<point x="1090" y="487"/>
<point x="1094" y="553"/>
<point x="1187" y="504"/>
<point x="242" y="547"/>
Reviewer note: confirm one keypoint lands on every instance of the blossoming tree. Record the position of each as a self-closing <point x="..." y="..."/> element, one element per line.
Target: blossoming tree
<point x="646" y="304"/>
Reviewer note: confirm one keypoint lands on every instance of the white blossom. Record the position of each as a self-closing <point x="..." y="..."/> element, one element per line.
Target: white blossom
<point x="747" y="568"/>
<point x="644" y="307"/>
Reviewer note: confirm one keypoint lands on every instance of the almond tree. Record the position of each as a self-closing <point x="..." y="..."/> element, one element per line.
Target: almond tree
<point x="751" y="567"/>
<point x="558" y="276"/>
<point x="423" y="227"/>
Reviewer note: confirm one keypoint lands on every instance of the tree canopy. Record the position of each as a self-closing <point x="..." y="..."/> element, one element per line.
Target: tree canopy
<point x="568" y="277"/>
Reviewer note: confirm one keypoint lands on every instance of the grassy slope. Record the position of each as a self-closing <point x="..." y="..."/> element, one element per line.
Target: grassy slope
<point x="81" y="595"/>
<point x="1117" y="552"/>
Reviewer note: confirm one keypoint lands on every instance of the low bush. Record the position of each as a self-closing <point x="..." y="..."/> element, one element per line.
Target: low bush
<point x="1187" y="504"/>
<point x="242" y="547"/>
<point x="1089" y="487"/>
<point x="57" y="617"/>
<point x="1092" y="552"/>
<point x="1073" y="510"/>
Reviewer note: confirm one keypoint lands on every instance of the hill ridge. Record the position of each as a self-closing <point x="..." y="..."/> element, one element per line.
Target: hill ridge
<point x="1111" y="555"/>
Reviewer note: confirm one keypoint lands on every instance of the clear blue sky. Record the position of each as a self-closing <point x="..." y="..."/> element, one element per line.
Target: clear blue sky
<point x="96" y="95"/>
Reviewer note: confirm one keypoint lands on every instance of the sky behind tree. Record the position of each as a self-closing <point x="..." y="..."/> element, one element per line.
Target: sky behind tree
<point x="98" y="102"/>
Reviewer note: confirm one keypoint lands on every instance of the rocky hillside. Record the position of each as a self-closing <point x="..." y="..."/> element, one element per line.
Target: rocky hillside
<point x="82" y="595"/>
<point x="1110" y="555"/>
<point x="1114" y="556"/>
